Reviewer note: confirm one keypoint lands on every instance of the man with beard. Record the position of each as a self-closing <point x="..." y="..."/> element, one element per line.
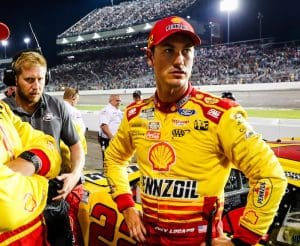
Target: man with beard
<point x="46" y="113"/>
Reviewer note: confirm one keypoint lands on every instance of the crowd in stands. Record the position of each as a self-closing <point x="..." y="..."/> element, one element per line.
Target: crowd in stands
<point x="220" y="64"/>
<point x="126" y="14"/>
<point x="138" y="39"/>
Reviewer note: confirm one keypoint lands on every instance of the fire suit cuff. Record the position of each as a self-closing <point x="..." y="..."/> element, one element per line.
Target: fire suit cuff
<point x="45" y="167"/>
<point x="245" y="236"/>
<point x="124" y="201"/>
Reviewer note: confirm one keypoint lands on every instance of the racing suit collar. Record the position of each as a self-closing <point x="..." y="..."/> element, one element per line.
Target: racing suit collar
<point x="173" y="106"/>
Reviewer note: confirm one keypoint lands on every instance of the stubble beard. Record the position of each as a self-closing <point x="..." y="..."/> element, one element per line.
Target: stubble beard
<point x="29" y="100"/>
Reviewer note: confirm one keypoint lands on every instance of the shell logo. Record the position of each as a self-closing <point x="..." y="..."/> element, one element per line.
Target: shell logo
<point x="161" y="156"/>
<point x="176" y="20"/>
<point x="29" y="202"/>
<point x="211" y="100"/>
<point x="251" y="217"/>
<point x="199" y="96"/>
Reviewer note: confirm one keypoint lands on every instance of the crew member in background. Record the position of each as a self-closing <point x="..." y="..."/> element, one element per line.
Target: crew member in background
<point x="109" y="120"/>
<point x="50" y="115"/>
<point x="137" y="96"/>
<point x="71" y="98"/>
<point x="228" y="95"/>
<point x="186" y="142"/>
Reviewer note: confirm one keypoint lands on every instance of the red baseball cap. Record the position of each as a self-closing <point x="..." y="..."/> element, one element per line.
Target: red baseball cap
<point x="168" y="26"/>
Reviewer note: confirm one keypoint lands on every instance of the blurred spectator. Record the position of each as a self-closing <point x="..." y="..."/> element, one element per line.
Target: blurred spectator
<point x="109" y="120"/>
<point x="228" y="94"/>
<point x="137" y="95"/>
<point x="71" y="98"/>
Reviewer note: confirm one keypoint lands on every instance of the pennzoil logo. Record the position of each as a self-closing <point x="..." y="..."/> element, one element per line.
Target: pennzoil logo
<point x="161" y="156"/>
<point x="201" y="125"/>
<point x="262" y="192"/>
<point x="179" y="132"/>
<point x="173" y="188"/>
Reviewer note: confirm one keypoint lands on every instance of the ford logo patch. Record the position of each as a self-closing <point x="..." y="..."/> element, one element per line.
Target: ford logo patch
<point x="186" y="112"/>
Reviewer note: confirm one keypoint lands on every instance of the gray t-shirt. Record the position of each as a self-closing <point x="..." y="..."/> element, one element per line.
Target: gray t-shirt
<point x="51" y="117"/>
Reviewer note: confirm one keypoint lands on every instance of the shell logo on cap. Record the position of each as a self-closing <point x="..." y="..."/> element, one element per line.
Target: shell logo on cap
<point x="176" y="20"/>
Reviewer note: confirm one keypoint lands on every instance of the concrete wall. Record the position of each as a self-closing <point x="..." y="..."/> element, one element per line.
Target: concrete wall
<point x="267" y="95"/>
<point x="271" y="129"/>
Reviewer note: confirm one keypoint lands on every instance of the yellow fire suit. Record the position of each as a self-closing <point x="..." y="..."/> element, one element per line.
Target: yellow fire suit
<point x="185" y="152"/>
<point x="22" y="199"/>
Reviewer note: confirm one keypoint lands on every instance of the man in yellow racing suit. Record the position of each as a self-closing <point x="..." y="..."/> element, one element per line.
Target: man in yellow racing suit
<point x="26" y="156"/>
<point x="185" y="149"/>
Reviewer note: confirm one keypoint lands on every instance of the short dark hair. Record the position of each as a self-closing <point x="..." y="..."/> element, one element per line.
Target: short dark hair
<point x="228" y="94"/>
<point x="137" y="93"/>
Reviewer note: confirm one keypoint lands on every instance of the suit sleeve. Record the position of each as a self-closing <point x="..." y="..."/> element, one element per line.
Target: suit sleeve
<point x="249" y="153"/>
<point x="117" y="156"/>
<point x="31" y="139"/>
<point x="22" y="198"/>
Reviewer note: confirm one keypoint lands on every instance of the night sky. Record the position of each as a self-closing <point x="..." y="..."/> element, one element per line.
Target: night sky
<point x="281" y="19"/>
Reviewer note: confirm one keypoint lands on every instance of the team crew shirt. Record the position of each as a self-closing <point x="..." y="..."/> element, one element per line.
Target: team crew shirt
<point x="51" y="117"/>
<point x="185" y="152"/>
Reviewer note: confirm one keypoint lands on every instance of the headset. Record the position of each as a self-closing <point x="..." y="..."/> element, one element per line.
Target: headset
<point x="9" y="78"/>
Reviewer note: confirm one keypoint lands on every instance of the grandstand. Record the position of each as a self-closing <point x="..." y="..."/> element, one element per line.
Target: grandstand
<point x="105" y="50"/>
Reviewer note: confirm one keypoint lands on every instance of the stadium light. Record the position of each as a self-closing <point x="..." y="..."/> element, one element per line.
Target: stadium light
<point x="211" y="26"/>
<point x="4" y="44"/>
<point x="259" y="17"/>
<point x="147" y="26"/>
<point x="96" y="35"/>
<point x="64" y="41"/>
<point x="129" y="30"/>
<point x="27" y="41"/>
<point x="228" y="6"/>
<point x="79" y="38"/>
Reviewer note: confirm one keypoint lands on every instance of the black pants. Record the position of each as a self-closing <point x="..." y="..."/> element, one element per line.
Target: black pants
<point x="103" y="143"/>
